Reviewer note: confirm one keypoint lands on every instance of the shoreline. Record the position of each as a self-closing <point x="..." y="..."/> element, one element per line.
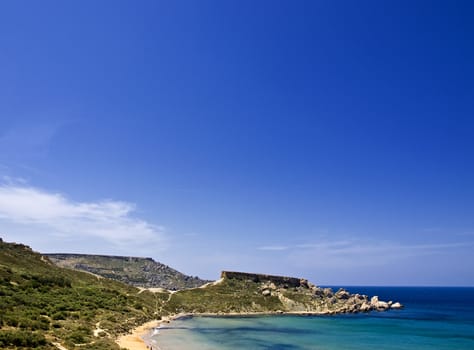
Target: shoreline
<point x="138" y="338"/>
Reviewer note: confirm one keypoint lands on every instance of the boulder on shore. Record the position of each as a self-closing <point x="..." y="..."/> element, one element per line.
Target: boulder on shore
<point x="396" y="305"/>
<point x="365" y="307"/>
<point x="380" y="305"/>
<point x="342" y="294"/>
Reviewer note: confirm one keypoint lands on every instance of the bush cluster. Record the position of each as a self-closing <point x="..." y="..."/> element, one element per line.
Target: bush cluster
<point x="21" y="339"/>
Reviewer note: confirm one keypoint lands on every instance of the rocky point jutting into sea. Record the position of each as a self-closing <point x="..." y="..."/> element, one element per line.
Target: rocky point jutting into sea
<point x="240" y="293"/>
<point x="297" y="295"/>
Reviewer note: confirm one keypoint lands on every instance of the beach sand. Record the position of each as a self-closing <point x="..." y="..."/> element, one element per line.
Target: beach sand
<point x="134" y="340"/>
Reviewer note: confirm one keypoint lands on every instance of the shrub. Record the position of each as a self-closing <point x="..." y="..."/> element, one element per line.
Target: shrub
<point x="60" y="315"/>
<point x="21" y="339"/>
<point x="77" y="337"/>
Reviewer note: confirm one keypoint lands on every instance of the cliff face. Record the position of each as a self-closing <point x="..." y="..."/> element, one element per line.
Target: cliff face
<point x="260" y="278"/>
<point x="138" y="272"/>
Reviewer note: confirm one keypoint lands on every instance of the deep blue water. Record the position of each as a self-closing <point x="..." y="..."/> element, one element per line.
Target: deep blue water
<point x="433" y="318"/>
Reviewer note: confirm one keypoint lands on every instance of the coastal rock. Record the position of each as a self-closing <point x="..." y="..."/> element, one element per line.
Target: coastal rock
<point x="266" y="292"/>
<point x="378" y="304"/>
<point x="352" y="308"/>
<point x="396" y="305"/>
<point x="317" y="292"/>
<point x="365" y="307"/>
<point x="374" y="300"/>
<point x="304" y="283"/>
<point x="328" y="292"/>
<point x="342" y="294"/>
<point x="382" y="305"/>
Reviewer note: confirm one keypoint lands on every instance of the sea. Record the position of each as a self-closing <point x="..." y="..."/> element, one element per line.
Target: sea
<point x="433" y="318"/>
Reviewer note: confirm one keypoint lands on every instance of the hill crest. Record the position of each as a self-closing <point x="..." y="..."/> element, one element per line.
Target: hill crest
<point x="136" y="271"/>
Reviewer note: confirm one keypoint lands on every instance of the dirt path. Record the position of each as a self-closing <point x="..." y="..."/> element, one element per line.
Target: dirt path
<point x="99" y="330"/>
<point x="59" y="346"/>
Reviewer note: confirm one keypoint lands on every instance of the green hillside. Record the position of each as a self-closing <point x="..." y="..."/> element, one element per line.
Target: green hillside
<point x="138" y="272"/>
<point x="41" y="304"/>
<point x="45" y="306"/>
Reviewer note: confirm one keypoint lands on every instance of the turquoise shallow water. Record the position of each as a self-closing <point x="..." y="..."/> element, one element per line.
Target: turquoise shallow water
<point x="434" y="318"/>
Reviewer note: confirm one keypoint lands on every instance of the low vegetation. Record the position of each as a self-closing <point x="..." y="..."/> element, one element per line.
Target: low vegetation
<point x="41" y="304"/>
<point x="228" y="296"/>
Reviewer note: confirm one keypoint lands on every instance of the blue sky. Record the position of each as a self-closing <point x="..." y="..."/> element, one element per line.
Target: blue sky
<point x="326" y="139"/>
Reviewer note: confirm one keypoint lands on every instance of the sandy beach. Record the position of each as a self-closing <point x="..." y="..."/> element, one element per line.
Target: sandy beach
<point x="134" y="340"/>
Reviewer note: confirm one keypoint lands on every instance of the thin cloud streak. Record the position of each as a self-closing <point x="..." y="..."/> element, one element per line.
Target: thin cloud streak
<point x="363" y="253"/>
<point x="353" y="261"/>
<point x="274" y="247"/>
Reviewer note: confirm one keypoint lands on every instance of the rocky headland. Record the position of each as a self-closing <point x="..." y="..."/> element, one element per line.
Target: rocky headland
<point x="247" y="293"/>
<point x="242" y="294"/>
<point x="300" y="295"/>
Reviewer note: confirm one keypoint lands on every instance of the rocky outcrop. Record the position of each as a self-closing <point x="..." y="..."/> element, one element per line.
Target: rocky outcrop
<point x="396" y="305"/>
<point x="376" y="304"/>
<point x="299" y="295"/>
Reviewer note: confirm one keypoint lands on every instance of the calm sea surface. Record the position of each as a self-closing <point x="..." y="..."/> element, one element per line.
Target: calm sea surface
<point x="433" y="318"/>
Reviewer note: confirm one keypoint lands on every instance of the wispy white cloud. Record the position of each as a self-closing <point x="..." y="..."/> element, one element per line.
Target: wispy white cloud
<point x="274" y="247"/>
<point x="53" y="217"/>
<point x="346" y="261"/>
<point x="358" y="252"/>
